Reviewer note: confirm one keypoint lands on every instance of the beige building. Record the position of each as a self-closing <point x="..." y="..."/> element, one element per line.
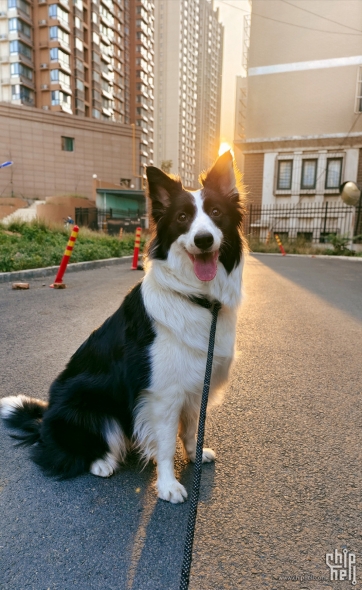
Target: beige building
<point x="298" y="111"/>
<point x="58" y="154"/>
<point x="188" y="69"/>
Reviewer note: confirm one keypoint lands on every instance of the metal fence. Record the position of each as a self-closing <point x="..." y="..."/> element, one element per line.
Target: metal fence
<point x="306" y="222"/>
<point x="110" y="220"/>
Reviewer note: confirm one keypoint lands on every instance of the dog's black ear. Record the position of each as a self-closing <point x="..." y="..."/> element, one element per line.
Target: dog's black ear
<point x="221" y="176"/>
<point x="161" y="188"/>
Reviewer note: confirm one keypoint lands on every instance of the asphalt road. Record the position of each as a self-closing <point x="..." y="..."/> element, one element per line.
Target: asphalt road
<point x="286" y="487"/>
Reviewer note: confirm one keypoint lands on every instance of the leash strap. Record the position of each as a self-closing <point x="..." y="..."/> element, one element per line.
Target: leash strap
<point x="190" y="532"/>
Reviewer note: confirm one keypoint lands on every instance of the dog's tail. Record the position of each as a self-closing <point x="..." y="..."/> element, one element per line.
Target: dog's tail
<point x="23" y="413"/>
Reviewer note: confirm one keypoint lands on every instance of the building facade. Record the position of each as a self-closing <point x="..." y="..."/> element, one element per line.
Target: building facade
<point x="59" y="154"/>
<point x="209" y="82"/>
<point x="299" y="125"/>
<point x="182" y="70"/>
<point x="88" y="58"/>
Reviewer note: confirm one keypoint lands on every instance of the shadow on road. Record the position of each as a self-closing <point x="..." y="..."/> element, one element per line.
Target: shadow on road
<point x="337" y="281"/>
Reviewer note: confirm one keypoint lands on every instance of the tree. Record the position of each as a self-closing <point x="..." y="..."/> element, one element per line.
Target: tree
<point x="166" y="166"/>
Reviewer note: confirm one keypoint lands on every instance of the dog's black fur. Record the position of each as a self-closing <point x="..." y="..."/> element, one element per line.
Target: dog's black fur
<point x="102" y="380"/>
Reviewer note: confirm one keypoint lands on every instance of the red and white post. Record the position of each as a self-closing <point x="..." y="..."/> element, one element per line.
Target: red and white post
<point x="136" y="249"/>
<point x="280" y="244"/>
<point x="66" y="256"/>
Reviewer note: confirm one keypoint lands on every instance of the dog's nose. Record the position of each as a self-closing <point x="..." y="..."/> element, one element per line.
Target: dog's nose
<point x="204" y="240"/>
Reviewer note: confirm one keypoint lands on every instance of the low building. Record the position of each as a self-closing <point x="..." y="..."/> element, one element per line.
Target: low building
<point x="299" y="124"/>
<point x="59" y="154"/>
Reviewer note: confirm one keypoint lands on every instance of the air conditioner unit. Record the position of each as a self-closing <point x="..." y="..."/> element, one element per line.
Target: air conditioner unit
<point x="42" y="1"/>
<point x="44" y="86"/>
<point x="42" y="22"/>
<point x="43" y="66"/>
<point x="45" y="108"/>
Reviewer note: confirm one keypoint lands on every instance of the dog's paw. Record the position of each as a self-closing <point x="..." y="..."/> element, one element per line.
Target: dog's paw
<point x="102" y="468"/>
<point x="208" y="455"/>
<point x="173" y="491"/>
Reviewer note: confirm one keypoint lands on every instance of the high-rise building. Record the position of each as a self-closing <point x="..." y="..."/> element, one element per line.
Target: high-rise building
<point x="85" y="58"/>
<point x="142" y="75"/>
<point x="209" y="81"/>
<point x="182" y="72"/>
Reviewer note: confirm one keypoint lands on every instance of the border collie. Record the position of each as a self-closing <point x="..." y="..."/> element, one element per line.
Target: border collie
<point x="137" y="380"/>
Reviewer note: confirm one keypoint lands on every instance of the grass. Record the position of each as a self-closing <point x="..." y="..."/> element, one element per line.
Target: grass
<point x="38" y="244"/>
<point x="297" y="247"/>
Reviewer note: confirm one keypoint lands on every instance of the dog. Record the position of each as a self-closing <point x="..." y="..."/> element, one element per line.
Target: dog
<point x="138" y="379"/>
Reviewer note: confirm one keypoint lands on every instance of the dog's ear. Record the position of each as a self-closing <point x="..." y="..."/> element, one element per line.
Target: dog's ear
<point x="161" y="188"/>
<point x="221" y="176"/>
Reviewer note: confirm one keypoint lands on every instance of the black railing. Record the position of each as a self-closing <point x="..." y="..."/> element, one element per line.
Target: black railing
<point x="312" y="222"/>
<point x="110" y="220"/>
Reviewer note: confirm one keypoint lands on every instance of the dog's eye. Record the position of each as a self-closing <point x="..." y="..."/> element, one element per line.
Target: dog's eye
<point x="215" y="212"/>
<point x="182" y="217"/>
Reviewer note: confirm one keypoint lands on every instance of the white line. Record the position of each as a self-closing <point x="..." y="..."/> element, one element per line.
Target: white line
<point x="299" y="66"/>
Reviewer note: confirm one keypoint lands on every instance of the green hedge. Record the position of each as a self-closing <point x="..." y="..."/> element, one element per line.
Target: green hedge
<point x="36" y="245"/>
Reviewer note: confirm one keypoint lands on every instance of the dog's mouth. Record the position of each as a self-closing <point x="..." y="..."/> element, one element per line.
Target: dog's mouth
<point x="205" y="265"/>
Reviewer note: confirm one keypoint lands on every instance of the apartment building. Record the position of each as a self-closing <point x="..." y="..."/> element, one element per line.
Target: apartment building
<point x="209" y="82"/>
<point x="185" y="116"/>
<point x="298" y="124"/>
<point x="86" y="57"/>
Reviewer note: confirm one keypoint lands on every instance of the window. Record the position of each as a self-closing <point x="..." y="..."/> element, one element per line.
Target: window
<point x="68" y="144"/>
<point x="60" y="98"/>
<point x="59" y="55"/>
<point x="16" y="24"/>
<point x="78" y="44"/>
<point x="20" y="4"/>
<point x="309" y="174"/>
<point x="285" y="168"/>
<point x="334" y="172"/>
<point x="23" y="93"/>
<point x="79" y="84"/>
<point x="58" y="33"/>
<point x="18" y="69"/>
<point x="55" y="11"/>
<point x="19" y="47"/>
<point x="96" y="114"/>
<point x="358" y="103"/>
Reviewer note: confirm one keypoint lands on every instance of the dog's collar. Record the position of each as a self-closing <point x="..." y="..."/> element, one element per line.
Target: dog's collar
<point x="203" y="301"/>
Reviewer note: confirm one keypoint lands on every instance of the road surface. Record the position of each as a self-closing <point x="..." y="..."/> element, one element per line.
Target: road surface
<point x="286" y="487"/>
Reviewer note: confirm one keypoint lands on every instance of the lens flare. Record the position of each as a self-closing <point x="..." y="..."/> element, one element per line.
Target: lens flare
<point x="225" y="147"/>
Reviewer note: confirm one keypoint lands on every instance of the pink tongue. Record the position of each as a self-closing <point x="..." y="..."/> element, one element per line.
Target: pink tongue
<point x="205" y="266"/>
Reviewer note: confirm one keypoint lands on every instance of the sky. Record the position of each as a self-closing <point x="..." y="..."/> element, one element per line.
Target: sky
<point x="233" y="21"/>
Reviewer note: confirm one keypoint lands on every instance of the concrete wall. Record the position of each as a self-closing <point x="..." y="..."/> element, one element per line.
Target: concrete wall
<point x="32" y="139"/>
<point x="57" y="208"/>
<point x="315" y="92"/>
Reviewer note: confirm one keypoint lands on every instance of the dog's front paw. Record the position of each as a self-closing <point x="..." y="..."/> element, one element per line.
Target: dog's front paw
<point x="102" y="468"/>
<point x="172" y="491"/>
<point x="208" y="455"/>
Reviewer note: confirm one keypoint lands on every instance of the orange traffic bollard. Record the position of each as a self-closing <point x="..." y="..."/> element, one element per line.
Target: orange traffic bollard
<point x="121" y="233"/>
<point x="136" y="249"/>
<point x="268" y="238"/>
<point x="66" y="256"/>
<point x="280" y="244"/>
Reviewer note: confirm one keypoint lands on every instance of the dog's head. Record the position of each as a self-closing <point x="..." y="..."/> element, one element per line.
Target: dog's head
<point x="203" y="226"/>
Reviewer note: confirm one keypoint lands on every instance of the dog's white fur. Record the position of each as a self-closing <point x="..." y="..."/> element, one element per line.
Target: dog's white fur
<point x="179" y="351"/>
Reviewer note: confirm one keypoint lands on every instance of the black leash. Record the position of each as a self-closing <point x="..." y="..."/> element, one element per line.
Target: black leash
<point x="186" y="566"/>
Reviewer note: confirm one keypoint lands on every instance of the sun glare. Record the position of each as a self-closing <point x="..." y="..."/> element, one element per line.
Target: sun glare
<point x="225" y="147"/>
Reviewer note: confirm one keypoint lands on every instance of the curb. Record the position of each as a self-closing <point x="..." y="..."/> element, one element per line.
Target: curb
<point x="349" y="258"/>
<point x="33" y="273"/>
